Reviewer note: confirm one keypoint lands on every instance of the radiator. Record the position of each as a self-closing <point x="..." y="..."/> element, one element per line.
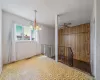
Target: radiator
<point x="47" y="50"/>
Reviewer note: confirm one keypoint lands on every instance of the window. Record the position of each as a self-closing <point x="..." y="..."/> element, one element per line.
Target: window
<point x="24" y="33"/>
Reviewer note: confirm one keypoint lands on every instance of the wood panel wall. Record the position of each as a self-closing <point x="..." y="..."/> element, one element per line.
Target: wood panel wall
<point x="78" y="38"/>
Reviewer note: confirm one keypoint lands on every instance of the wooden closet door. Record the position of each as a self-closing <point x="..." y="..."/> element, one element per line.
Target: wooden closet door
<point x="78" y="38"/>
<point x="72" y="44"/>
<point x="82" y="47"/>
<point x="87" y="47"/>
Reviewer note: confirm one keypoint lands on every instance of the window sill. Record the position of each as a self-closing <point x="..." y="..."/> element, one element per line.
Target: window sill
<point x="25" y="41"/>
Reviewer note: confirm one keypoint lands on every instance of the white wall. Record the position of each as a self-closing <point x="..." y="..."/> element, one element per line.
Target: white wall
<point x="0" y="39"/>
<point x="93" y="44"/>
<point x="95" y="47"/>
<point x="97" y="11"/>
<point x="23" y="49"/>
<point x="27" y="49"/>
<point x="56" y="37"/>
<point x="47" y="36"/>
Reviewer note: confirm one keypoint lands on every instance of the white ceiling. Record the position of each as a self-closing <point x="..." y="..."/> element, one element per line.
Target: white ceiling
<point x="74" y="11"/>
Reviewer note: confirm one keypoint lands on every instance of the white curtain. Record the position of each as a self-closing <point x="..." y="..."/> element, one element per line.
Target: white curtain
<point x="11" y="45"/>
<point x="37" y="36"/>
<point x="37" y="39"/>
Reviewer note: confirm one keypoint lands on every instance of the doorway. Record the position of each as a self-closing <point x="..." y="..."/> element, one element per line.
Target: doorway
<point x="77" y="38"/>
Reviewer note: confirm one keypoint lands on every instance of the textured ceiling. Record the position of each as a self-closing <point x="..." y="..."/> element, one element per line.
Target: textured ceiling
<point x="74" y="11"/>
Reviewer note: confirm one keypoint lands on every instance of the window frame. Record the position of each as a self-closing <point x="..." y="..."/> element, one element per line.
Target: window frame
<point x="15" y="38"/>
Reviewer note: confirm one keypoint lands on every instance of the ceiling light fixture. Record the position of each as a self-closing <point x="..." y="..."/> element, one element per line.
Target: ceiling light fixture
<point x="35" y="25"/>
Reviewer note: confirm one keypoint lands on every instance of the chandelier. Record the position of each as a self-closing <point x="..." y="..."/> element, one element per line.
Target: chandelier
<point x="35" y="25"/>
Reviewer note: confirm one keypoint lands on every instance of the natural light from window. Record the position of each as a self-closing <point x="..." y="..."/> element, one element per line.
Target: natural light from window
<point x="24" y="33"/>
